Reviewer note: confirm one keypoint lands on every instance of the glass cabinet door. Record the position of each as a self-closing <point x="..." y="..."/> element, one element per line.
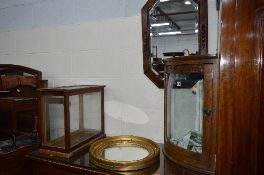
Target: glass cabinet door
<point x="185" y="103"/>
<point x="191" y="88"/>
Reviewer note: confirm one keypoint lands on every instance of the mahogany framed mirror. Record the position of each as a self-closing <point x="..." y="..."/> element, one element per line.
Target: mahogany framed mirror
<point x="172" y="28"/>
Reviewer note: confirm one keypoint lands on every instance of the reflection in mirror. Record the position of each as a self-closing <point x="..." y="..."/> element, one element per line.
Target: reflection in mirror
<point x="186" y="125"/>
<point x="125" y="153"/>
<point x="174" y="27"/>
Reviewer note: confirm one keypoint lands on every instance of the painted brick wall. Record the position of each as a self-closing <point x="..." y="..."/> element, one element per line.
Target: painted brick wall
<point x="88" y="42"/>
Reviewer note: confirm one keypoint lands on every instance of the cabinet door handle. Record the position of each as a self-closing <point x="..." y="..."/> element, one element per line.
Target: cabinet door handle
<point x="207" y="112"/>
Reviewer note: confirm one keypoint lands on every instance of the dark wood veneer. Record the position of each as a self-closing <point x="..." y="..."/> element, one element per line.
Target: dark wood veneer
<point x="240" y="131"/>
<point x="259" y="27"/>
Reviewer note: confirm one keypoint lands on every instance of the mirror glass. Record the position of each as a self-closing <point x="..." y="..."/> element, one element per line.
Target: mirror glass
<point x="174" y="26"/>
<point x="125" y="153"/>
<point x="186" y="115"/>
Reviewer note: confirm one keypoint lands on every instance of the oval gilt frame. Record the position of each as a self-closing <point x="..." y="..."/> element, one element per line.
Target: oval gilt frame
<point x="97" y="148"/>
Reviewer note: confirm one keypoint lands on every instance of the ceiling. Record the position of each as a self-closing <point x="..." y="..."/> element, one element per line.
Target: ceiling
<point x="180" y="16"/>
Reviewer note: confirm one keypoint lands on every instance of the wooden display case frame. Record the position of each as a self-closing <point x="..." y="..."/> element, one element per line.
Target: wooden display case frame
<point x="70" y="150"/>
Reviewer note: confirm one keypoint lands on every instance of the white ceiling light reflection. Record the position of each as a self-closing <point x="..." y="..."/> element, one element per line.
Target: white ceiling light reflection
<point x="160" y="24"/>
<point x="170" y="33"/>
<point x="125" y="112"/>
<point x="187" y="2"/>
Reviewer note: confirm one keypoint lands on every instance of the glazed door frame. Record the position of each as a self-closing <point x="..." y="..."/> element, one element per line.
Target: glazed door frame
<point x="204" y="162"/>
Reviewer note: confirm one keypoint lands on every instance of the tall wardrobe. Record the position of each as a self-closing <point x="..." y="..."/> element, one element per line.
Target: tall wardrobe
<point x="241" y="89"/>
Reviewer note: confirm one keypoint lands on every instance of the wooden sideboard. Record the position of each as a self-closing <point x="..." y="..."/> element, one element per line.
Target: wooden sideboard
<point x="42" y="165"/>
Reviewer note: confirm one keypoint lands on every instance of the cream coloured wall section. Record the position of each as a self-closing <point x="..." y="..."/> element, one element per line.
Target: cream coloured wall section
<point x="106" y="52"/>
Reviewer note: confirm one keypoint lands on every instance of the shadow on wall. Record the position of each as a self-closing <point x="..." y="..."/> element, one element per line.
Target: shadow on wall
<point x="125" y="112"/>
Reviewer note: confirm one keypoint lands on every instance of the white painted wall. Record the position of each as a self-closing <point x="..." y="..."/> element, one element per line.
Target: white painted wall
<point x="106" y="52"/>
<point x="87" y="42"/>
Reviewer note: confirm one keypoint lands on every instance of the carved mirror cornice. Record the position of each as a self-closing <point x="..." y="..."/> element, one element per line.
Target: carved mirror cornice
<point x="166" y="11"/>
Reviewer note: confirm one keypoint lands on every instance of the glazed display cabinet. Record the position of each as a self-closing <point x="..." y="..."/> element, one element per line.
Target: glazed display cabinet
<point x="191" y="111"/>
<point x="71" y="118"/>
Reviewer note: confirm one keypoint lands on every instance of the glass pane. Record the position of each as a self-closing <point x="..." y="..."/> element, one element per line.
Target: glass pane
<point x="53" y="109"/>
<point x="185" y="106"/>
<point x="85" y="116"/>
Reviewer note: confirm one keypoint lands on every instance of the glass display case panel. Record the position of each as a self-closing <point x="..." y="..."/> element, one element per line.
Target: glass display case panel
<point x="185" y="110"/>
<point x="85" y="116"/>
<point x="72" y="117"/>
<point x="53" y="110"/>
